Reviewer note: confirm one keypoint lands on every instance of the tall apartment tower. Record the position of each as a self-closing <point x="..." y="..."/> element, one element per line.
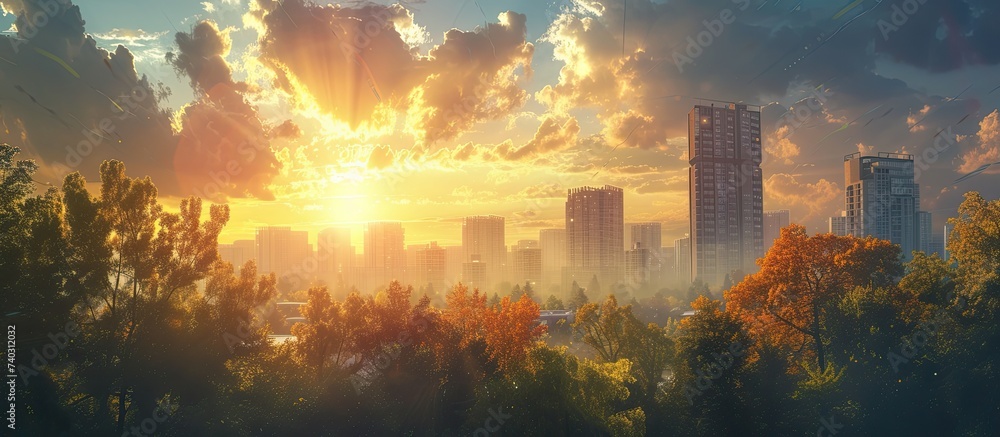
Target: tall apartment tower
<point x="924" y="223"/>
<point x="553" y="245"/>
<point x="882" y="199"/>
<point x="648" y="237"/>
<point x="774" y="221"/>
<point x="484" y="237"/>
<point x="335" y="253"/>
<point x="385" y="254"/>
<point x="238" y="253"/>
<point x="837" y="225"/>
<point x="682" y="261"/>
<point x="595" y="227"/>
<point x="280" y="250"/>
<point x="726" y="190"/>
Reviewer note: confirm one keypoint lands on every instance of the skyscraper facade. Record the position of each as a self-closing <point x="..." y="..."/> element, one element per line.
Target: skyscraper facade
<point x="595" y="220"/>
<point x="280" y="250"/>
<point x="552" y="242"/>
<point x="773" y="222"/>
<point x="484" y="237"/>
<point x="385" y="253"/>
<point x="335" y="253"/>
<point x="837" y="225"/>
<point x="726" y="190"/>
<point x="649" y="239"/>
<point x="882" y="199"/>
<point x="925" y="225"/>
<point x="682" y="260"/>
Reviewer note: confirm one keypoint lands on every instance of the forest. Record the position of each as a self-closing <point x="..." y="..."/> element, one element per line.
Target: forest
<point x="128" y="323"/>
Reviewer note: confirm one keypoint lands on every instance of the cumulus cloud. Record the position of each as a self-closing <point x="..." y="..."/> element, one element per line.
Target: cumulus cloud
<point x="71" y="104"/>
<point x="551" y="136"/>
<point x="347" y="61"/>
<point x="987" y="147"/>
<point x="221" y="135"/>
<point x="809" y="200"/>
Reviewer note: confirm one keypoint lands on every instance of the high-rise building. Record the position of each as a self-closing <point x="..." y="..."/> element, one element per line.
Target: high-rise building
<point x="455" y="257"/>
<point x="335" y="253"/>
<point x="682" y="259"/>
<point x="281" y="251"/>
<point x="925" y="225"/>
<point x="668" y="264"/>
<point x="526" y="262"/>
<point x="945" y="255"/>
<point x="638" y="266"/>
<point x="595" y="220"/>
<point x="385" y="256"/>
<point x="430" y="266"/>
<point x="726" y="190"/>
<point x="837" y="225"/>
<point x="474" y="274"/>
<point x="238" y="253"/>
<point x="553" y="245"/>
<point x="882" y="199"/>
<point x="774" y="221"/>
<point x="937" y="245"/>
<point x="484" y="237"/>
<point x="646" y="234"/>
<point x="649" y="237"/>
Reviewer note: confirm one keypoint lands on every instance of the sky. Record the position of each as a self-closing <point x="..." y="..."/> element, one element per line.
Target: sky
<point x="316" y="115"/>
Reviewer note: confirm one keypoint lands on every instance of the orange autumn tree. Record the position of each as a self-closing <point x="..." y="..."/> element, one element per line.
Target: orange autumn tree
<point x="802" y="277"/>
<point x="510" y="329"/>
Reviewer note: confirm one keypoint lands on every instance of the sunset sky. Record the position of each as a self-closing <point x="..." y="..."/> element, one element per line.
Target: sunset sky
<point x="476" y="107"/>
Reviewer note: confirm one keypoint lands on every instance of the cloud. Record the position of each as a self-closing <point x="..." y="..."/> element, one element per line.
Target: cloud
<point x="129" y="36"/>
<point x="808" y="200"/>
<point x="71" y="104"/>
<point x="349" y="61"/>
<point x="551" y="136"/>
<point x="987" y="148"/>
<point x="223" y="149"/>
<point x="780" y="146"/>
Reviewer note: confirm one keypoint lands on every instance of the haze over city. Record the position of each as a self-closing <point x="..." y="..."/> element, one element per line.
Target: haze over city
<point x="517" y="217"/>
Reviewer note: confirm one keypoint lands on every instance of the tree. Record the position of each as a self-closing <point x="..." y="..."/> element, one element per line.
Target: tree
<point x="153" y="259"/>
<point x="516" y="292"/>
<point x="553" y="303"/>
<point x="594" y="288"/>
<point x="605" y="327"/>
<point x="578" y="297"/>
<point x="802" y="277"/>
<point x="510" y="329"/>
<point x="697" y="289"/>
<point x="529" y="290"/>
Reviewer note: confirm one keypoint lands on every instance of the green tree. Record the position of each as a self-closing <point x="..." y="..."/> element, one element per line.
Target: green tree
<point x="578" y="297"/>
<point x="553" y="303"/>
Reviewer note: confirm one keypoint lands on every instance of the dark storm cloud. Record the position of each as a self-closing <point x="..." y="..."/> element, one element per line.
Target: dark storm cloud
<point x="939" y="35"/>
<point x="72" y="105"/>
